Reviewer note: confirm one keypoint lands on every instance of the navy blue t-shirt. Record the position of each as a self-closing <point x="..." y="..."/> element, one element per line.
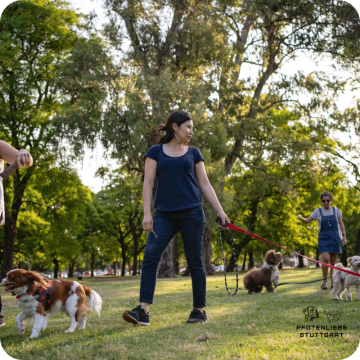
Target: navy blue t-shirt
<point x="177" y="187"/>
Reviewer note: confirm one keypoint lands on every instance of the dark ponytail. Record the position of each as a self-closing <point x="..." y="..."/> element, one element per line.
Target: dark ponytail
<point x="177" y="117"/>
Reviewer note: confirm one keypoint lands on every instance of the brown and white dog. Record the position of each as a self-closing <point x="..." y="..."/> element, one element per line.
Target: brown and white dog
<point x="343" y="281"/>
<point x="41" y="300"/>
<point x="255" y="279"/>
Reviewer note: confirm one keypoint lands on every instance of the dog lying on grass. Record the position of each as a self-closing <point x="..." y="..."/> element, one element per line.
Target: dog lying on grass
<point x="40" y="300"/>
<point x="343" y="281"/>
<point x="255" y="279"/>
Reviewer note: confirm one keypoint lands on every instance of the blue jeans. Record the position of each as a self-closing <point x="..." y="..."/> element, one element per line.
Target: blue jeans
<point x="191" y="224"/>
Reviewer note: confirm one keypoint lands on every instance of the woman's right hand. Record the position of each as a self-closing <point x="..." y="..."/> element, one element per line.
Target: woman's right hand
<point x="147" y="223"/>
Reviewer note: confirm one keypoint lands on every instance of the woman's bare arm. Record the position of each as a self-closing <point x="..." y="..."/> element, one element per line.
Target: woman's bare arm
<point x="149" y="180"/>
<point x="10" y="155"/>
<point x="208" y="191"/>
<point x="305" y="221"/>
<point x="342" y="228"/>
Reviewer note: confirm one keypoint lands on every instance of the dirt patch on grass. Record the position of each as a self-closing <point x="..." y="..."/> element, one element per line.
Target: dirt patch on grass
<point x="205" y="337"/>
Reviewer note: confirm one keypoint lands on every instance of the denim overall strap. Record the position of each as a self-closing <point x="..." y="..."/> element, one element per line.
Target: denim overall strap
<point x="329" y="240"/>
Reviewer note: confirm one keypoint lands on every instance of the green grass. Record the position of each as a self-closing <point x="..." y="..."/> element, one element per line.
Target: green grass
<point x="261" y="326"/>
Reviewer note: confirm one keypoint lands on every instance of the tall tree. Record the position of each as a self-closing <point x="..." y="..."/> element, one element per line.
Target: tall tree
<point x="191" y="54"/>
<point x="51" y="88"/>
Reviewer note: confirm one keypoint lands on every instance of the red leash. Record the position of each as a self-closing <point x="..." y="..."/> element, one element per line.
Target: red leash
<point x="234" y="227"/>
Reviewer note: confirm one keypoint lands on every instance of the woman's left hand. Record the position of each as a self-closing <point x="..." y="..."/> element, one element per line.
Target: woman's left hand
<point x="224" y="219"/>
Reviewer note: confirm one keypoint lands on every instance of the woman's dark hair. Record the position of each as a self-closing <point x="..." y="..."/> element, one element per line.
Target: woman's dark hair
<point x="326" y="193"/>
<point x="177" y="117"/>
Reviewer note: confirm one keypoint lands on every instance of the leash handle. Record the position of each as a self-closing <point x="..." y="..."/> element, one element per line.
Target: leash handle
<point x="9" y="170"/>
<point x="218" y="220"/>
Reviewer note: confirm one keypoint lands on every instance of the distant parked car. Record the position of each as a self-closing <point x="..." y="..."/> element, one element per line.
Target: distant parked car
<point x="63" y="275"/>
<point x="109" y="272"/>
<point x="219" y="268"/>
<point x="98" y="273"/>
<point x="87" y="274"/>
<point x="45" y="276"/>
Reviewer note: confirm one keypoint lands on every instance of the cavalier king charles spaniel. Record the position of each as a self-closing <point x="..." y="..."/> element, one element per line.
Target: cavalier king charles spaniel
<point x="40" y="300"/>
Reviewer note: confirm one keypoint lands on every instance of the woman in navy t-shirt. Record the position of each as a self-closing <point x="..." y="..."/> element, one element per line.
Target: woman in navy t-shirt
<point x="181" y="179"/>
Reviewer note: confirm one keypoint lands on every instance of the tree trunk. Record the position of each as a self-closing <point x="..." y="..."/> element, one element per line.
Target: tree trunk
<point x="317" y="257"/>
<point x="301" y="259"/>
<point x="123" y="264"/>
<point x="166" y="265"/>
<point x="92" y="264"/>
<point x="357" y="244"/>
<point x="135" y="254"/>
<point x="71" y="268"/>
<point x="280" y="266"/>
<point x="129" y="266"/>
<point x="231" y="264"/>
<point x="115" y="266"/>
<point x="56" y="267"/>
<point x="251" y="260"/>
<point x="206" y="253"/>
<point x="244" y="262"/>
<point x="173" y="245"/>
<point x="9" y="241"/>
<point x="11" y="214"/>
<point x="344" y="256"/>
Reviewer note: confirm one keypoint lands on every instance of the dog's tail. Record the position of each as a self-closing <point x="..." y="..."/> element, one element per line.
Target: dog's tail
<point x="339" y="265"/>
<point x="95" y="301"/>
<point x="338" y="272"/>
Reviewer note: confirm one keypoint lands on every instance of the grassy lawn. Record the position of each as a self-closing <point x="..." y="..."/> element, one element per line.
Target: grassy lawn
<point x="261" y="326"/>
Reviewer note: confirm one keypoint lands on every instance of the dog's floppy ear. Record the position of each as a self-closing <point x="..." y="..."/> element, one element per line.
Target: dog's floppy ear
<point x="30" y="276"/>
<point x="349" y="260"/>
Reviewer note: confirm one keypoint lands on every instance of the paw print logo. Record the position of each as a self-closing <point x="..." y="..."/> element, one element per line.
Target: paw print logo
<point x="311" y="313"/>
<point x="333" y="314"/>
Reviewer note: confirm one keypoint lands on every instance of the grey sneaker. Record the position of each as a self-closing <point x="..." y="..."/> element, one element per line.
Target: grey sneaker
<point x="196" y="316"/>
<point x="137" y="316"/>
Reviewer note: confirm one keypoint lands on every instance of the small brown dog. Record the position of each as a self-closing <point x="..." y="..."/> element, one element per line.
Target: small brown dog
<point x="255" y="279"/>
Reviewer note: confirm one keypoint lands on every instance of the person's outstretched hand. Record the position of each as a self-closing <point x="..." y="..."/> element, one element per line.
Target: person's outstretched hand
<point x="24" y="158"/>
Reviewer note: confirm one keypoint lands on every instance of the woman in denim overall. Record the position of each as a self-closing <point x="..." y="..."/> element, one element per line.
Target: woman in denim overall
<point x="181" y="180"/>
<point x="331" y="233"/>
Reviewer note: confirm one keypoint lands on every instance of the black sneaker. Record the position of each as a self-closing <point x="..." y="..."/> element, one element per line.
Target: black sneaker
<point x="137" y="316"/>
<point x="2" y="321"/>
<point x="196" y="316"/>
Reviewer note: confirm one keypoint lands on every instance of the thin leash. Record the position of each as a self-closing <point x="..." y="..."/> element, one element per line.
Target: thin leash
<point x="234" y="254"/>
<point x="307" y="282"/>
<point x="234" y="227"/>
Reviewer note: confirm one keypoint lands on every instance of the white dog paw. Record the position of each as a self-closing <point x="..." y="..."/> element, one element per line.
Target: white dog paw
<point x="69" y="331"/>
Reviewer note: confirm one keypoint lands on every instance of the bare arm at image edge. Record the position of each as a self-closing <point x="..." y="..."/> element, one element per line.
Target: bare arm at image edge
<point x="149" y="180"/>
<point x="10" y="155"/>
